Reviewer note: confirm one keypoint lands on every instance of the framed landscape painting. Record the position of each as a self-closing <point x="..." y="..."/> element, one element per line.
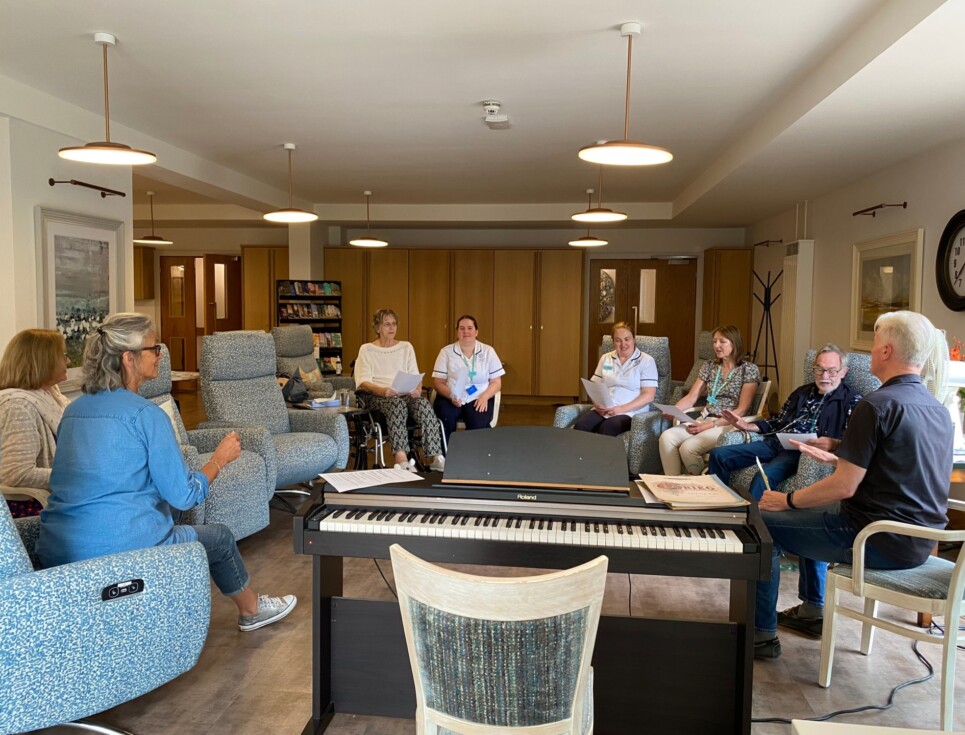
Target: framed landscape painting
<point x="79" y="278"/>
<point x="886" y="276"/>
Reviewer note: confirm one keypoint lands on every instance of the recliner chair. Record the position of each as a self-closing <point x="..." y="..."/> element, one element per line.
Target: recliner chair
<point x="295" y="350"/>
<point x="240" y="494"/>
<point x="239" y="388"/>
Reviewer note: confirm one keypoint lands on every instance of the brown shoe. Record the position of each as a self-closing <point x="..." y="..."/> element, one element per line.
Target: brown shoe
<point x="791" y="618"/>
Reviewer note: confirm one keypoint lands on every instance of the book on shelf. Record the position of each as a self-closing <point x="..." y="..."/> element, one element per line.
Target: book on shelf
<point x="689" y="492"/>
<point x="285" y="288"/>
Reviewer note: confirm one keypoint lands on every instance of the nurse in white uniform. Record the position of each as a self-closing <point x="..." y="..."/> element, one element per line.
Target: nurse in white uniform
<point x="466" y="376"/>
<point x="631" y="378"/>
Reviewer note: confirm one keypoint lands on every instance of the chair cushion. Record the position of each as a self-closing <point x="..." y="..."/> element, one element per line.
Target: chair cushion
<point x="509" y="673"/>
<point x="929" y="580"/>
<point x="302" y="456"/>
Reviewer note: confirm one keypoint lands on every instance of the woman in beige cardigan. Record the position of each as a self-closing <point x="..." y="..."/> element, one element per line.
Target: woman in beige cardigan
<point x="31" y="406"/>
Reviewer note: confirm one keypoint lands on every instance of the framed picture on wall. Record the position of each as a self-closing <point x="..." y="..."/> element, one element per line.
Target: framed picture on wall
<point x="885" y="276"/>
<point x="79" y="277"/>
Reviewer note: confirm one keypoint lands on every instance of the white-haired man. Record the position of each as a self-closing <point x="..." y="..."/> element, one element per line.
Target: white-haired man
<point x="893" y="463"/>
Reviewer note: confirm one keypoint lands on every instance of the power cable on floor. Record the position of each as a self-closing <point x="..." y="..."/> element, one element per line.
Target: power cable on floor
<point x="389" y="586"/>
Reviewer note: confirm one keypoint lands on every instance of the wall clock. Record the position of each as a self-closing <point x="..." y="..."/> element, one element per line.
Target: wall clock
<point x="950" y="263"/>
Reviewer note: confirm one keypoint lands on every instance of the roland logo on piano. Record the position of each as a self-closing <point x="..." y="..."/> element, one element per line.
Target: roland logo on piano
<point x="526" y="496"/>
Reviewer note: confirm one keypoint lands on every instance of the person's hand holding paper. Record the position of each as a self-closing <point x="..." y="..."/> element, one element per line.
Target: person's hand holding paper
<point x="407" y="383"/>
<point x="599" y="394"/>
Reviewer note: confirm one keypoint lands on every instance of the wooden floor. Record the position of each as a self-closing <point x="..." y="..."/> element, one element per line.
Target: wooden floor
<point x="260" y="682"/>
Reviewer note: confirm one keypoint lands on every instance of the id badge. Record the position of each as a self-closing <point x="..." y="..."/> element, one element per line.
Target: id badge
<point x="471" y="390"/>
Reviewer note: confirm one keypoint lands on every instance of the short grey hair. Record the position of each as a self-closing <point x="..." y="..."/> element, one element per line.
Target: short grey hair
<point x="910" y="335"/>
<point x="831" y="347"/>
<point x="105" y="348"/>
<point x="380" y="316"/>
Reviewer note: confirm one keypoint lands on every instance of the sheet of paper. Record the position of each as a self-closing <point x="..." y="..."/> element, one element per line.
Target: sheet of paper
<point x="406" y="382"/>
<point x="673" y="411"/>
<point x="786" y="443"/>
<point x="345" y="481"/>
<point x="459" y="385"/>
<point x="599" y="394"/>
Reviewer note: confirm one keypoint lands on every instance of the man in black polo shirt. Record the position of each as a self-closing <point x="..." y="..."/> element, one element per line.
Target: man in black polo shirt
<point x="823" y="407"/>
<point x="893" y="463"/>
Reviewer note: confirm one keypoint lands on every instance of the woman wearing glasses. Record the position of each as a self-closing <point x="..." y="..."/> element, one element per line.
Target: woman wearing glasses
<point x="119" y="473"/>
<point x="31" y="406"/>
<point x="375" y="369"/>
<point x="729" y="383"/>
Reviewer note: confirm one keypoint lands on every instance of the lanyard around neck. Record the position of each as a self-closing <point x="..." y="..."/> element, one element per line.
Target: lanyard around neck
<point x="712" y="398"/>
<point x="472" y="367"/>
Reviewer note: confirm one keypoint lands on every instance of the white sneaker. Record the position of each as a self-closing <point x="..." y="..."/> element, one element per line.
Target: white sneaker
<point x="407" y="466"/>
<point x="270" y="610"/>
<point x="438" y="464"/>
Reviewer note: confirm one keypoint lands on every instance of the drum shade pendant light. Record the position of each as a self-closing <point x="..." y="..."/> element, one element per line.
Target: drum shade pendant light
<point x="290" y="214"/>
<point x="368" y="241"/>
<point x="599" y="213"/>
<point x="588" y="240"/>
<point x="106" y="151"/>
<point x="625" y="152"/>
<point x="152" y="239"/>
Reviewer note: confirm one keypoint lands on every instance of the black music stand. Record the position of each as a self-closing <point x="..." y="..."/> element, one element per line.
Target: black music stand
<point x="538" y="457"/>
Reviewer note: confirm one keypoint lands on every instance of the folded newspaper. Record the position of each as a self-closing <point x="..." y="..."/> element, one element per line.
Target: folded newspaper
<point x="689" y="492"/>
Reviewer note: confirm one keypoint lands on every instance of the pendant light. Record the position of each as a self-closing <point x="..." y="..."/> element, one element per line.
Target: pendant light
<point x="106" y="151"/>
<point x="599" y="213"/>
<point x="152" y="239"/>
<point x="625" y="152"/>
<point x="290" y="214"/>
<point x="368" y="241"/>
<point x="588" y="240"/>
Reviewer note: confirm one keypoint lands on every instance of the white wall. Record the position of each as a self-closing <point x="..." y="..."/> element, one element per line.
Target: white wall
<point x="932" y="185"/>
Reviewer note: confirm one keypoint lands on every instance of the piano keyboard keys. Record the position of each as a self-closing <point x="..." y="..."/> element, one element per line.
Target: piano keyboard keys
<point x="536" y="530"/>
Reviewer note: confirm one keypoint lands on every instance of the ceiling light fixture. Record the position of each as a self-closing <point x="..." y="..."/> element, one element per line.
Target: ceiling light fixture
<point x="289" y="214"/>
<point x="599" y="213"/>
<point x="152" y="239"/>
<point x="625" y="152"/>
<point x="368" y="241"/>
<point x="588" y="240"/>
<point x="105" y="151"/>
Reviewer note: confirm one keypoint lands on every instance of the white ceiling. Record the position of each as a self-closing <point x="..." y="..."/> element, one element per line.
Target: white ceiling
<point x="764" y="103"/>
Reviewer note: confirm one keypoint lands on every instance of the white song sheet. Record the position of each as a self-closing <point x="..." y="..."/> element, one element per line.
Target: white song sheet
<point x="406" y="382"/>
<point x="673" y="411"/>
<point x="345" y="481"/>
<point x="599" y="394"/>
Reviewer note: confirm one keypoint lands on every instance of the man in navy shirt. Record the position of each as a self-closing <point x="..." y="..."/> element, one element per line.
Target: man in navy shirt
<point x="893" y="463"/>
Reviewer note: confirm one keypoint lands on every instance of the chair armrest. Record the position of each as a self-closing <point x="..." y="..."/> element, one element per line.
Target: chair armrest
<point x="730" y="438"/>
<point x="57" y="629"/>
<point x="566" y="416"/>
<point x="642" y="452"/>
<point x="677" y="393"/>
<point x="903" y="529"/>
<point x="255" y="439"/>
<point x="332" y="424"/>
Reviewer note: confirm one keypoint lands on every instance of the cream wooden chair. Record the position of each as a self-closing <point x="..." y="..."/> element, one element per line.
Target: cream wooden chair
<point x="935" y="587"/>
<point x="500" y="655"/>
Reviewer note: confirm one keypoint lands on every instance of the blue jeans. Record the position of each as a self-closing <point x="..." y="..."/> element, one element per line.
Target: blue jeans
<point x="812" y="534"/>
<point x="225" y="564"/>
<point x="779" y="464"/>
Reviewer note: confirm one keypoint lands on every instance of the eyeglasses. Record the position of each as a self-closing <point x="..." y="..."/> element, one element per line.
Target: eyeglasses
<point x="156" y="349"/>
<point x="832" y="372"/>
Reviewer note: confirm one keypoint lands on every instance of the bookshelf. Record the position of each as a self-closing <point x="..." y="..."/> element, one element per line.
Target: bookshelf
<point x="319" y="305"/>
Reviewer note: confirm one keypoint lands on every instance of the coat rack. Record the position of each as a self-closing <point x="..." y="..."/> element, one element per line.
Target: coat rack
<point x="873" y="210"/>
<point x="766" y="327"/>
<point x="105" y="192"/>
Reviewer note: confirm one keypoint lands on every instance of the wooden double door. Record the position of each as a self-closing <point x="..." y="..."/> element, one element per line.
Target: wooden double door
<point x="199" y="295"/>
<point x="656" y="297"/>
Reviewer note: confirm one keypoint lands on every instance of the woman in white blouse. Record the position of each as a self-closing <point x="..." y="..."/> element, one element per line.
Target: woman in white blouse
<point x="466" y="376"/>
<point x="631" y="379"/>
<point x="31" y="406"/>
<point x="375" y="369"/>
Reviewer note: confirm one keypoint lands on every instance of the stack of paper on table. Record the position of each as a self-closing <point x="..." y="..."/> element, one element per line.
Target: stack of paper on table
<point x="689" y="492"/>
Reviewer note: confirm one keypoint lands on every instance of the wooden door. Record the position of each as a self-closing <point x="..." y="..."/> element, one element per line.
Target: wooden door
<point x="662" y="302"/>
<point x="347" y="265"/>
<point x="256" y="268"/>
<point x="178" y="315"/>
<point x="560" y="311"/>
<point x="222" y="291"/>
<point x="514" y="281"/>
<point x="472" y="287"/>
<point x="728" y="289"/>
<point x="387" y="287"/>
<point x="429" y="326"/>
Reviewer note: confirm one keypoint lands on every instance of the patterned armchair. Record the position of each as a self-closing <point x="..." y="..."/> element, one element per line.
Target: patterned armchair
<point x="859" y="378"/>
<point x="641" y="441"/>
<point x="295" y="350"/>
<point x="471" y="674"/>
<point x="65" y="653"/>
<point x="705" y="352"/>
<point x="239" y="388"/>
<point x="240" y="494"/>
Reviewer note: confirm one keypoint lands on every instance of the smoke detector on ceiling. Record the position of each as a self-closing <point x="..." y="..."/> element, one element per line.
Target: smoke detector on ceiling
<point x="494" y="119"/>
